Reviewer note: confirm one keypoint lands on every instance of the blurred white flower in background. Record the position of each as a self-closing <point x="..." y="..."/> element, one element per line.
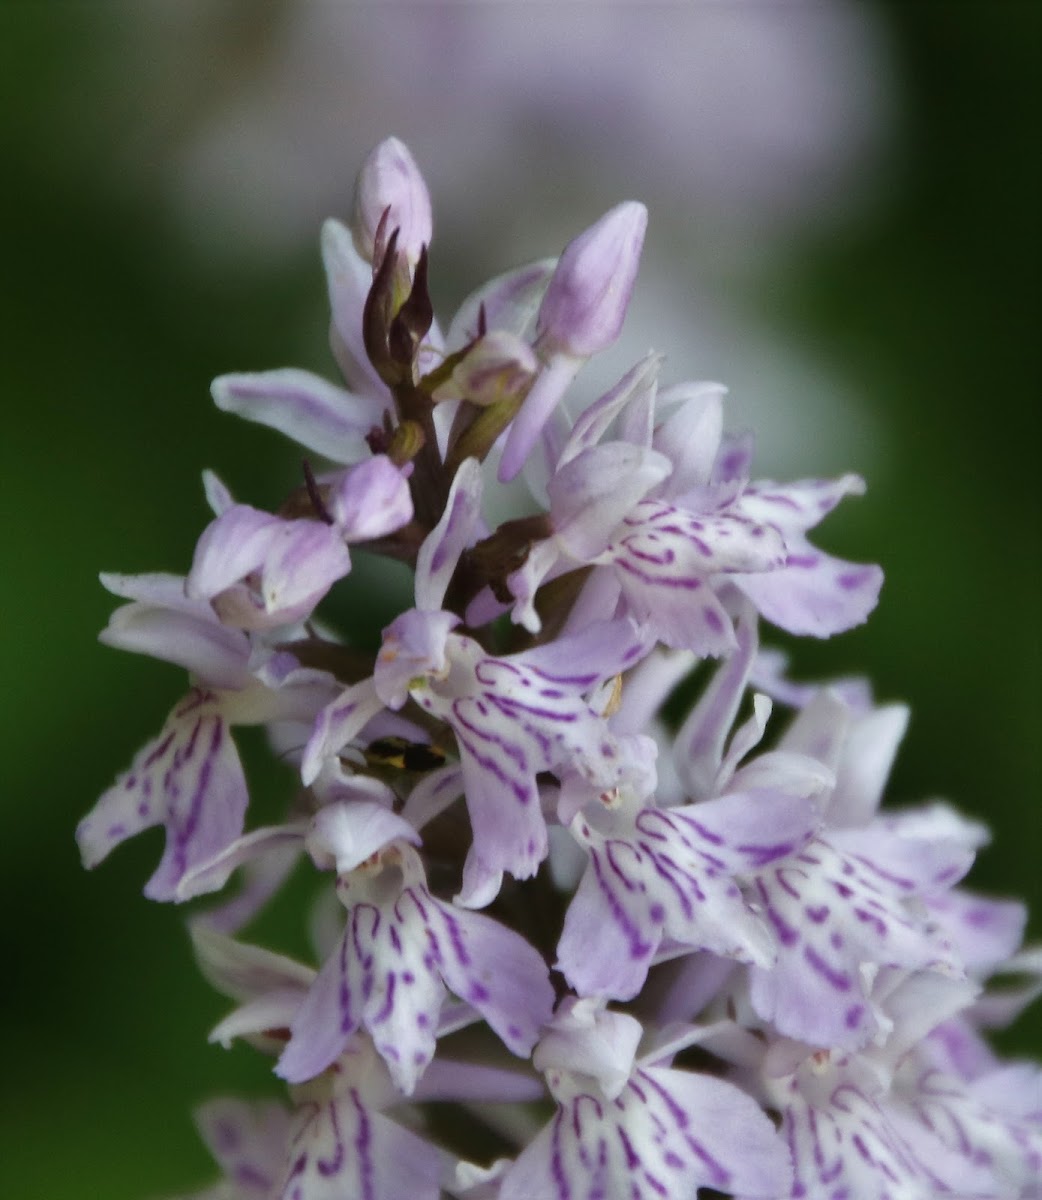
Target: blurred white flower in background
<point x="743" y="126"/>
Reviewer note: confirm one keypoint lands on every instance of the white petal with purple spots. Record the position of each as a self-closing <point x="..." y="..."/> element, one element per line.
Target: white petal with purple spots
<point x="670" y="873"/>
<point x="400" y="952"/>
<point x="835" y="908"/>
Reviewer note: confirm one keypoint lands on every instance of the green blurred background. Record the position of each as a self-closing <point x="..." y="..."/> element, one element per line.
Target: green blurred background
<point x="117" y="311"/>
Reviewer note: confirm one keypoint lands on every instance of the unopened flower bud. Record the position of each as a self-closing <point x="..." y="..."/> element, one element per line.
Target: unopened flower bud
<point x="586" y="301"/>
<point x="497" y="366"/>
<point x="390" y="181"/>
<point x="372" y="500"/>
<point x="581" y="314"/>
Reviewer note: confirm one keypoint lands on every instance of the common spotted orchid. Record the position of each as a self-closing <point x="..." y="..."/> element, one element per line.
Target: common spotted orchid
<point x="709" y="956"/>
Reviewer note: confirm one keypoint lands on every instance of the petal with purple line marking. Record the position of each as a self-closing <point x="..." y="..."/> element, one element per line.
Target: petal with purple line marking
<point x="666" y="1134"/>
<point x="188" y="779"/>
<point x="342" y="1147"/>
<point x="837" y="908"/>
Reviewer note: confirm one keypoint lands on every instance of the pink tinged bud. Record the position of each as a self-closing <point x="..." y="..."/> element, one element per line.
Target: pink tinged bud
<point x="391" y="180"/>
<point x="581" y="314"/>
<point x="584" y="306"/>
<point x="371" y="501"/>
<point x="499" y="365"/>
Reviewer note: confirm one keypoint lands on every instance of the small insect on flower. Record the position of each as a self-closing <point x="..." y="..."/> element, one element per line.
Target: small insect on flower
<point x="403" y="755"/>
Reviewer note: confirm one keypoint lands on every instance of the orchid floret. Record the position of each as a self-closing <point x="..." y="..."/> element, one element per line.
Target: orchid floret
<point x="635" y="1133"/>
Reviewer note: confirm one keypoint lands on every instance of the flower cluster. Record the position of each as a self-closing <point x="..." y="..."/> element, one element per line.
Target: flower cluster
<point x="684" y="958"/>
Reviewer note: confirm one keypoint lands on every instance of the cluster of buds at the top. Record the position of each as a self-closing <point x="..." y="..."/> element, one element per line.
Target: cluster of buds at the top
<point x="500" y="379"/>
<point x="716" y="965"/>
<point x="392" y="231"/>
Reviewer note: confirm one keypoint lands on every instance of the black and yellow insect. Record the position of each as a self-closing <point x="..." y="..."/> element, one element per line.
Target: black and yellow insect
<point x="400" y="754"/>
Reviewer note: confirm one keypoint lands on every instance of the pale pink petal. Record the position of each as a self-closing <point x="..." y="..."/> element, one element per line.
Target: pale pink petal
<point x="535" y="411"/>
<point x="510" y="302"/>
<point x="337" y="724"/>
<point x="690" y="436"/>
<point x="635" y="389"/>
<point x="442" y="548"/>
<point x="813" y="593"/>
<point x="247" y="1140"/>
<point x="316" y="414"/>
<point x="371" y="501"/>
<point x="496" y="971"/>
<point x="794" y="507"/>
<point x="596" y="490"/>
<point x="213" y="653"/>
